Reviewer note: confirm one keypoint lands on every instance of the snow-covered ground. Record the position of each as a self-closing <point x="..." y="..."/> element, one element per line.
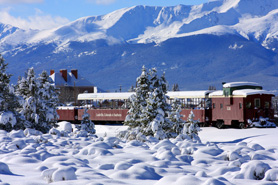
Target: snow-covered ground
<point x="226" y="156"/>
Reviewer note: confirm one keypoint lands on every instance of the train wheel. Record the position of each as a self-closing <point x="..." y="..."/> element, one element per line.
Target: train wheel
<point x="219" y="124"/>
<point x="241" y="125"/>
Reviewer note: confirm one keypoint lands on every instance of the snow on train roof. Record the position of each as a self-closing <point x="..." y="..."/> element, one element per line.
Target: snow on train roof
<point x="126" y="95"/>
<point x="236" y="84"/>
<point x="188" y="94"/>
<point x="104" y="96"/>
<point x="243" y="92"/>
<point x="246" y="92"/>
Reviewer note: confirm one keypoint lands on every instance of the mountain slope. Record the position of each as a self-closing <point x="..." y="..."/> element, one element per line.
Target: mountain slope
<point x="197" y="46"/>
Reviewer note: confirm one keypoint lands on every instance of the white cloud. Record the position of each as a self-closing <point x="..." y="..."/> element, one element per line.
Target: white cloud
<point x="20" y="1"/>
<point x="102" y="2"/>
<point x="38" y="21"/>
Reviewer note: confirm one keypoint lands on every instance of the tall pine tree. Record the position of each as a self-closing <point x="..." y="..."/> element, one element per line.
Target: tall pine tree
<point x="48" y="96"/>
<point x="177" y="123"/>
<point x="39" y="101"/>
<point x="9" y="117"/>
<point x="150" y="111"/>
<point x="138" y="101"/>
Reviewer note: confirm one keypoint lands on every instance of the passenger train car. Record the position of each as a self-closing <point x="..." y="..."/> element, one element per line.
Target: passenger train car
<point x="236" y="105"/>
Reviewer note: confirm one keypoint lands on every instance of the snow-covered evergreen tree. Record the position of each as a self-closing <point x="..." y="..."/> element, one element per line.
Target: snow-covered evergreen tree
<point x="149" y="108"/>
<point x="27" y="88"/>
<point x="39" y="101"/>
<point x="48" y="96"/>
<point x="191" y="127"/>
<point x="150" y="113"/>
<point x="138" y="101"/>
<point x="175" y="87"/>
<point x="162" y="108"/>
<point x="175" y="117"/>
<point x="86" y="126"/>
<point x="9" y="117"/>
<point x="153" y="117"/>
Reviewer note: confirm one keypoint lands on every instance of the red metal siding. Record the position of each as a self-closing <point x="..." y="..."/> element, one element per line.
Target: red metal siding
<point x="257" y="112"/>
<point x="67" y="114"/>
<point x="199" y="114"/>
<point x="104" y="114"/>
<point x="230" y="110"/>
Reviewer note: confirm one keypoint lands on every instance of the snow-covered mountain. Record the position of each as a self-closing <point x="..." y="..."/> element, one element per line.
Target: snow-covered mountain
<point x="197" y="46"/>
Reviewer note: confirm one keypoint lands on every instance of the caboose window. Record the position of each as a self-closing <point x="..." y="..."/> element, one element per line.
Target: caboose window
<point x="257" y="102"/>
<point x="240" y="105"/>
<point x="221" y="106"/>
<point x="266" y="105"/>
<point x="248" y="105"/>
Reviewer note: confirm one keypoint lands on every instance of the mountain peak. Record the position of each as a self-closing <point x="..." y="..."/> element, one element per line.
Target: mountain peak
<point x="251" y="7"/>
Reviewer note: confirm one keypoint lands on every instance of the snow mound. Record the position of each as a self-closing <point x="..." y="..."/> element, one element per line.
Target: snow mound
<point x="178" y="180"/>
<point x="4" y="169"/>
<point x="240" y="159"/>
<point x="60" y="174"/>
<point x="271" y="175"/>
<point x="65" y="126"/>
<point x="138" y="171"/>
<point x="253" y="170"/>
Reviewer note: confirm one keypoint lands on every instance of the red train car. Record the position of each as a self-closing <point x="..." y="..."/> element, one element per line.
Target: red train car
<point x="67" y="113"/>
<point x="197" y="101"/>
<point x="236" y="105"/>
<point x="113" y="107"/>
<point x="105" y="107"/>
<point x="239" y="103"/>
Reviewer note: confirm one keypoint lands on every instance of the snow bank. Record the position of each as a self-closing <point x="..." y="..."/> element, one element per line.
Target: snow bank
<point x="229" y="156"/>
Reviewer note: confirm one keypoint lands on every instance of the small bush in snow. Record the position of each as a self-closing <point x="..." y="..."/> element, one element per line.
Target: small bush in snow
<point x="32" y="132"/>
<point x="59" y="174"/>
<point x="54" y="131"/>
<point x="191" y="127"/>
<point x="253" y="170"/>
<point x="86" y="126"/>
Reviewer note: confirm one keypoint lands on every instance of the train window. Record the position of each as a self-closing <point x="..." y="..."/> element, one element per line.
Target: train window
<point x="257" y="102"/>
<point x="226" y="93"/>
<point x="213" y="105"/>
<point x="266" y="105"/>
<point x="248" y="105"/>
<point x="240" y="105"/>
<point x="221" y="106"/>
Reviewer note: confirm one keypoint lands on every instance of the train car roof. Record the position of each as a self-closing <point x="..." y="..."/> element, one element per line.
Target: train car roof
<point x="236" y="84"/>
<point x="243" y="92"/>
<point x="246" y="92"/>
<point x="188" y="94"/>
<point x="126" y="95"/>
<point x="104" y="96"/>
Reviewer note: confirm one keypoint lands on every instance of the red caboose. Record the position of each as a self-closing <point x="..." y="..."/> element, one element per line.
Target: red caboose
<point x="239" y="103"/>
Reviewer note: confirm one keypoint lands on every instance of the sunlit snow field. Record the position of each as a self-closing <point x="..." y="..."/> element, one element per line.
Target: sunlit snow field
<point x="226" y="156"/>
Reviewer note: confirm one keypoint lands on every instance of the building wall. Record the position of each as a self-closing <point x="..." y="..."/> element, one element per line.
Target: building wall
<point x="69" y="94"/>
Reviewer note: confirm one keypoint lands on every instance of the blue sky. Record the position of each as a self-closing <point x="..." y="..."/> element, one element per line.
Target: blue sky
<point x="45" y="14"/>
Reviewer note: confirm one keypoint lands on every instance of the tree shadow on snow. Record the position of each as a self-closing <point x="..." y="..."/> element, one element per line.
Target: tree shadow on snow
<point x="238" y="140"/>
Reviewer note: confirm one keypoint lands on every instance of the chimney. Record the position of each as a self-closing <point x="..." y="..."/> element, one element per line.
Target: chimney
<point x="64" y="74"/>
<point x="52" y="71"/>
<point x="75" y="73"/>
